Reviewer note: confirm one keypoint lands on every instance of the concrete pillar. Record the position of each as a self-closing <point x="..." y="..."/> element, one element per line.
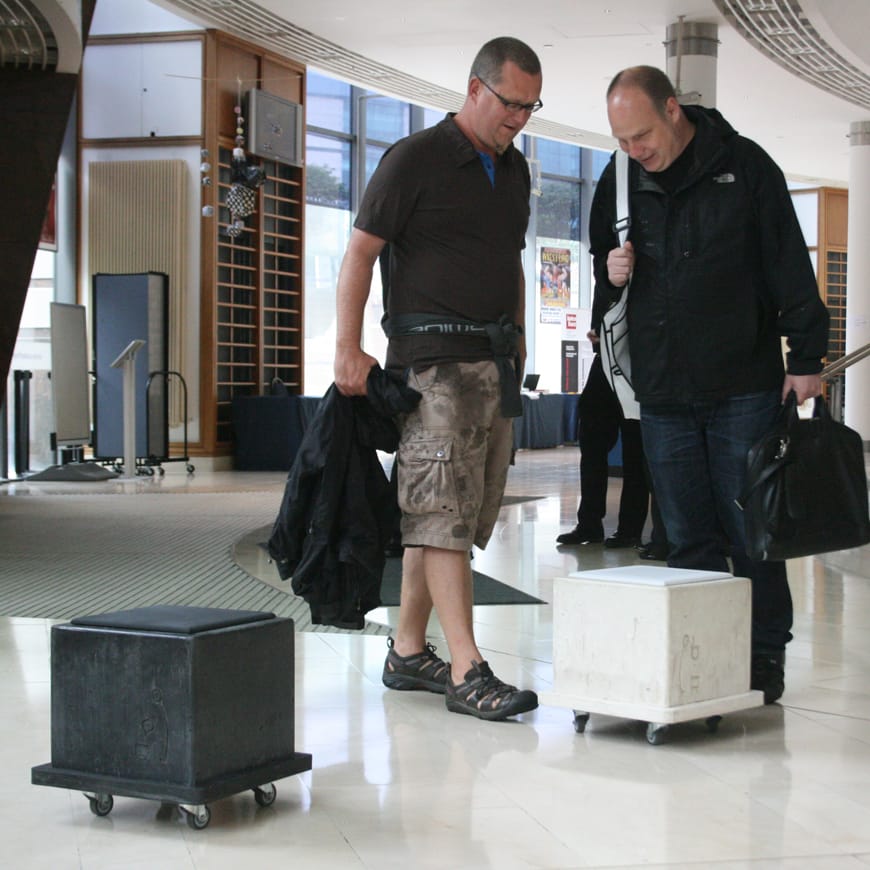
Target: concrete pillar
<point x="857" y="412"/>
<point x="691" y="50"/>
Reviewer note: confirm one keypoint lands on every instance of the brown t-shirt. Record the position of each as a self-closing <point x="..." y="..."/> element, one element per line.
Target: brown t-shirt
<point x="455" y="239"/>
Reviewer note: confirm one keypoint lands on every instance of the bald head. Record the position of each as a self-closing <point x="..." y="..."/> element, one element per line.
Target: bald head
<point x="646" y="119"/>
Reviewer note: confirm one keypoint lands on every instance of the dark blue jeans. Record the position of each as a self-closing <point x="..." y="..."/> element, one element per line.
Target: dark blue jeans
<point x="697" y="458"/>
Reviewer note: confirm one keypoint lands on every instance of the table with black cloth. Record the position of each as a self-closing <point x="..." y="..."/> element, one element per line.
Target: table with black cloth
<point x="268" y="429"/>
<point x="549" y="420"/>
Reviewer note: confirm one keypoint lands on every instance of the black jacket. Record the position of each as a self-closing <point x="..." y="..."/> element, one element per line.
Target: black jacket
<point x="339" y="508"/>
<point x="721" y="272"/>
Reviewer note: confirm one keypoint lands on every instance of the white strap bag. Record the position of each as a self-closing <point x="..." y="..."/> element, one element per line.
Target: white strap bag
<point x="614" y="324"/>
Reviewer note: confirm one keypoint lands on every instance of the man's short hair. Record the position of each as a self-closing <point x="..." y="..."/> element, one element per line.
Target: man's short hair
<point x="488" y="63"/>
<point x="648" y="79"/>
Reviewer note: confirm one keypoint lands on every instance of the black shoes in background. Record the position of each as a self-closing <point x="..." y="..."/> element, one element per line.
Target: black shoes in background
<point x="620" y="541"/>
<point x="579" y="537"/>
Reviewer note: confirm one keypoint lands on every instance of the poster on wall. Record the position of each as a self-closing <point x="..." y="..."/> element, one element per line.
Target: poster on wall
<point x="555" y="283"/>
<point x="48" y="234"/>
<point x="571" y="325"/>
<point x="575" y="348"/>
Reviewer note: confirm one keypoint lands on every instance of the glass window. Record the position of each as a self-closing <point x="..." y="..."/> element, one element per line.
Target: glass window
<point x="559" y="209"/>
<point x="327" y="103"/>
<point x="326" y="233"/>
<point x="431" y="117"/>
<point x="373" y="157"/>
<point x="600" y="159"/>
<point x="558" y="159"/>
<point x="387" y="120"/>
<point x="806" y="206"/>
<point x="327" y="171"/>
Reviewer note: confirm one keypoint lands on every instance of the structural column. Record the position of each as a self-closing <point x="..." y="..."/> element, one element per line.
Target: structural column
<point x="857" y="412"/>
<point x="692" y="49"/>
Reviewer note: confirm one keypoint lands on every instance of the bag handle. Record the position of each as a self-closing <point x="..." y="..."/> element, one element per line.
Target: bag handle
<point x="786" y="419"/>
<point x="623" y="219"/>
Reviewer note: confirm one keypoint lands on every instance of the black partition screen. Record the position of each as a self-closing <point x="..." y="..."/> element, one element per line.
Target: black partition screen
<point x="125" y="308"/>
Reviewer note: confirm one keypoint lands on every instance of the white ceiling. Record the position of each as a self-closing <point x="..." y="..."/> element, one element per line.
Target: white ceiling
<point x="581" y="43"/>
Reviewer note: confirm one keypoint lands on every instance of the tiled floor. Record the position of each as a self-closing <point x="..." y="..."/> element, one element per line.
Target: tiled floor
<point x="399" y="782"/>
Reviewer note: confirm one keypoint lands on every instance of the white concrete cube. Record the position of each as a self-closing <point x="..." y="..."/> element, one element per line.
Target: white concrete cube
<point x="640" y="640"/>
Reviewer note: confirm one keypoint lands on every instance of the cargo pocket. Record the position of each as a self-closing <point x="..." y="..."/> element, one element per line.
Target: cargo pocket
<point x="428" y="483"/>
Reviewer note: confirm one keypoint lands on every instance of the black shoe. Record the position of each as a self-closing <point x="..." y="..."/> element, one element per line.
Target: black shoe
<point x="621" y="542"/>
<point x="768" y="675"/>
<point x="420" y="671"/>
<point x="653" y="552"/>
<point x="578" y="536"/>
<point x="484" y="695"/>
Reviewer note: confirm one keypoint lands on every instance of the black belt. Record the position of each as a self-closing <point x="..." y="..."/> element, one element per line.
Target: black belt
<point x="503" y="339"/>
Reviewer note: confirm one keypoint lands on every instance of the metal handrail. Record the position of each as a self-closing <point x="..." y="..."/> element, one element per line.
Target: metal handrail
<point x="833" y="369"/>
<point x="832" y="372"/>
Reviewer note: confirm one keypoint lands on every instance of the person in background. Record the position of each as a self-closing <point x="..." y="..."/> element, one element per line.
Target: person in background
<point x="719" y="272"/>
<point x="448" y="208"/>
<point x="656" y="548"/>
<point x="600" y="425"/>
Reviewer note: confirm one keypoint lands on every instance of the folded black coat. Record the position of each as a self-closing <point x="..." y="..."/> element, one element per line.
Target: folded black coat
<point x="339" y="507"/>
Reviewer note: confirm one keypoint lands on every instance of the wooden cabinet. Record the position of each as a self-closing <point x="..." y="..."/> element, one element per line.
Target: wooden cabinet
<point x="258" y="291"/>
<point x="252" y="292"/>
<point x="823" y="212"/>
<point x="282" y="214"/>
<point x="142" y="89"/>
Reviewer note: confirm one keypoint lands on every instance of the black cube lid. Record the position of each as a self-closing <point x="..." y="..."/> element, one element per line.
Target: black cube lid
<point x="172" y="619"/>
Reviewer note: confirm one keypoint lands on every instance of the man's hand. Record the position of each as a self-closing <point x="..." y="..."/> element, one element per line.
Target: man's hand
<point x="592" y="335"/>
<point x="620" y="264"/>
<point x="804" y="386"/>
<point x="351" y="368"/>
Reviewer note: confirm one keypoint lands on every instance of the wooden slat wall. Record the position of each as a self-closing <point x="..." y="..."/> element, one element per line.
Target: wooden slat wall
<point x="137" y="213"/>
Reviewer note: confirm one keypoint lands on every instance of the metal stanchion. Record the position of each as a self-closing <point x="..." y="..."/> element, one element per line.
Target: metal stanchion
<point x="127" y="360"/>
<point x="21" y="421"/>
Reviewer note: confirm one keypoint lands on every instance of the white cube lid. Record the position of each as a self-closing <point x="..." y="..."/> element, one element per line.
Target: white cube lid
<point x="651" y="575"/>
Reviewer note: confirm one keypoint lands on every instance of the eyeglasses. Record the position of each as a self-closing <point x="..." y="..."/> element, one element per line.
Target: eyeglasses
<point x="509" y="104"/>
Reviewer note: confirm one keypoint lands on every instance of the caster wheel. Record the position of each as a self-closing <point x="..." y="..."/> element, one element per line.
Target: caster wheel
<point x="656" y="734"/>
<point x="161" y="471"/>
<point x="191" y="469"/>
<point x="265" y="795"/>
<point x="101" y="804"/>
<point x="713" y="723"/>
<point x="580" y="720"/>
<point x="199" y="818"/>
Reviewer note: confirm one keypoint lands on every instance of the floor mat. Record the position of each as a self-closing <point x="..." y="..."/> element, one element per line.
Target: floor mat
<point x="518" y="499"/>
<point x="487" y="590"/>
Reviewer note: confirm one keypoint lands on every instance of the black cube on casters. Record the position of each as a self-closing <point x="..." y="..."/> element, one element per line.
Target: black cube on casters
<point x="179" y="704"/>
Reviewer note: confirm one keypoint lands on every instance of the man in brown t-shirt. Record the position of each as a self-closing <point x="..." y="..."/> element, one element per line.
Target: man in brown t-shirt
<point x="452" y="203"/>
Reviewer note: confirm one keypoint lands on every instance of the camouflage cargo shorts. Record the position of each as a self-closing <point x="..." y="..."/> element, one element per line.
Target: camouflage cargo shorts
<point x="453" y="457"/>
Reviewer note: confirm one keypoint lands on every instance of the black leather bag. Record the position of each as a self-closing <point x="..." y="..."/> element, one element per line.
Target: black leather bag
<point x="806" y="488"/>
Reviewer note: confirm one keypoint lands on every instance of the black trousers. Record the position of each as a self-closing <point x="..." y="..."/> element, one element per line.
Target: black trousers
<point x="600" y="425"/>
